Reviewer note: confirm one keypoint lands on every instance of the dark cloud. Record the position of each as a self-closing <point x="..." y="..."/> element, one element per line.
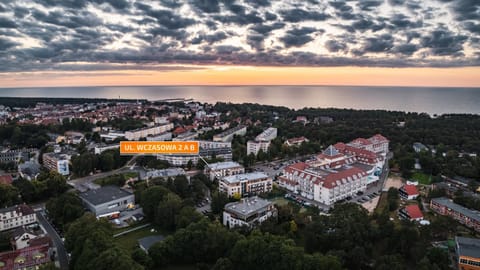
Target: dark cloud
<point x="74" y="4"/>
<point x="466" y="9"/>
<point x="369" y="5"/>
<point x="20" y="12"/>
<point x="364" y="24"/>
<point x="343" y="10"/>
<point x="406" y="49"/>
<point x="6" y="44"/>
<point x="472" y="27"/>
<point x="209" y="38"/>
<point x="382" y="43"/>
<point x="270" y="16"/>
<point x="208" y="6"/>
<point x="258" y="3"/>
<point x="402" y="21"/>
<point x="7" y="23"/>
<point x="167" y="18"/>
<point x="335" y="46"/>
<point x="298" y="15"/>
<point x="266" y="28"/>
<point x="84" y="18"/>
<point x="443" y="42"/>
<point x="227" y="49"/>
<point x="256" y="41"/>
<point x="298" y="36"/>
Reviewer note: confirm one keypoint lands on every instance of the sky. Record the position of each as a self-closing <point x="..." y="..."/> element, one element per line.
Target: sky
<point x="239" y="42"/>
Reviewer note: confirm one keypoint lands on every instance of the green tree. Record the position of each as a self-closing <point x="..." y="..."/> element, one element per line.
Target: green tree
<point x="65" y="209"/>
<point x="219" y="199"/>
<point x="10" y="195"/>
<point x="150" y="198"/>
<point x="166" y="211"/>
<point x="114" y="258"/>
<point x="186" y="216"/>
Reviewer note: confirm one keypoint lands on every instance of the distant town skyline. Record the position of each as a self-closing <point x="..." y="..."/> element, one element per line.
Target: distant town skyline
<point x="243" y="42"/>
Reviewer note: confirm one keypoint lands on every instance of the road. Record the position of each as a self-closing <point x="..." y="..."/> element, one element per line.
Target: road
<point x="61" y="254"/>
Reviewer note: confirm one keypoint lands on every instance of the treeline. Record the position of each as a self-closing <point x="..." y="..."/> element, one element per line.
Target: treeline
<point x="86" y="162"/>
<point x="32" y="101"/>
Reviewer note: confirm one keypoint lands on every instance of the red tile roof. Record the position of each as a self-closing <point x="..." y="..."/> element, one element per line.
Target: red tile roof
<point x="410" y="190"/>
<point x="361" y="141"/>
<point x="331" y="179"/>
<point x="378" y="138"/>
<point x="25" y="257"/>
<point x="300" y="166"/>
<point x="413" y="211"/>
<point x="6" y="179"/>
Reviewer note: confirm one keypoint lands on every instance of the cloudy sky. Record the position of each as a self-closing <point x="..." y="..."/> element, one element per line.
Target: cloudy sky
<point x="111" y="42"/>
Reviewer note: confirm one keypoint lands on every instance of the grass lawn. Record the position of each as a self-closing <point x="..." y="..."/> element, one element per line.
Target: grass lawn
<point x="280" y="201"/>
<point x="129" y="240"/>
<point x="421" y="178"/>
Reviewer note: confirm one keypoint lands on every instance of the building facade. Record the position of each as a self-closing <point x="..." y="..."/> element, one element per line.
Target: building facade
<point x="16" y="216"/>
<point x="465" y="216"/>
<point x="245" y="184"/>
<point x="227" y="135"/>
<point x="467" y="253"/>
<point x="222" y="169"/>
<point x="137" y="134"/>
<point x="107" y="199"/>
<point x="262" y="141"/>
<point x="339" y="172"/>
<point x="57" y="162"/>
<point x="248" y="212"/>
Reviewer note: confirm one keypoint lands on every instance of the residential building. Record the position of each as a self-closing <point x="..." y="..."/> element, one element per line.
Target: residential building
<point x="137" y="134"/>
<point x="245" y="184"/>
<point x="296" y="141"/>
<point x="267" y="135"/>
<point x="227" y="135"/>
<point x="165" y="173"/>
<point x="419" y="147"/>
<point x="112" y="135"/>
<point x="104" y="147"/>
<point x="30" y="257"/>
<point x="166" y="136"/>
<point x="21" y="237"/>
<point x="467" y="252"/>
<point x="57" y="162"/>
<point x="29" y="170"/>
<point x="15" y="155"/>
<point x="411" y="212"/>
<point x="72" y="137"/>
<point x="465" y="216"/>
<point x="408" y="192"/>
<point x="253" y="147"/>
<point x="107" y="199"/>
<point x="207" y="149"/>
<point x="6" y="179"/>
<point x="222" y="169"/>
<point x="186" y="136"/>
<point x="248" y="212"/>
<point x="262" y="141"/>
<point x="16" y="216"/>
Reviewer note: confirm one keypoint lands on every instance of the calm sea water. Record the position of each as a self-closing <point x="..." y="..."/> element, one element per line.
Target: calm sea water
<point x="413" y="99"/>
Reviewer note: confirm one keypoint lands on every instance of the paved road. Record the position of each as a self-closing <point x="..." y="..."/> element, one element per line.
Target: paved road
<point x="61" y="251"/>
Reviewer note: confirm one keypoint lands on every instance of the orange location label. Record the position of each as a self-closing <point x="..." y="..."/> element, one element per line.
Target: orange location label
<point x="154" y="148"/>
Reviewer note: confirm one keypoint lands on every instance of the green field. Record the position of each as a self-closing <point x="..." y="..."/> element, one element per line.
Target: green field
<point x="421" y="178"/>
<point x="129" y="240"/>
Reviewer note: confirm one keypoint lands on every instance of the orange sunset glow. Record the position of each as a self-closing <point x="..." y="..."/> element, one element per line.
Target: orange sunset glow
<point x="239" y="75"/>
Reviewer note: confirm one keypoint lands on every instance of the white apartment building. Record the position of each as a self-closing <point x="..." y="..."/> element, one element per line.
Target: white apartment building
<point x="16" y="216"/>
<point x="166" y="136"/>
<point x="227" y="135"/>
<point x="222" y="169"/>
<point x="267" y="135"/>
<point x="248" y="212"/>
<point x="57" y="162"/>
<point x="186" y="136"/>
<point x="262" y="141"/>
<point x="102" y="148"/>
<point x="137" y="134"/>
<point x="208" y="149"/>
<point x="253" y="147"/>
<point x="245" y="184"/>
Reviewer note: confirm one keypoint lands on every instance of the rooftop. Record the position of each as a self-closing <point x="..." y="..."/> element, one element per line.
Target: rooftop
<point x="244" y="177"/>
<point x="414" y="211"/>
<point x="458" y="208"/>
<point x="410" y="189"/>
<point x="230" y="131"/>
<point x="149" y="241"/>
<point x="469" y="247"/>
<point x="104" y="194"/>
<point x="247" y="206"/>
<point x="224" y="165"/>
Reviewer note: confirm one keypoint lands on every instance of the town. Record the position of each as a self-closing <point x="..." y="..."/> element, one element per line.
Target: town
<point x="322" y="178"/>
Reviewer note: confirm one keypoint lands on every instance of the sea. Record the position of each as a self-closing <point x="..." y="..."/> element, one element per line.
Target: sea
<point x="431" y="100"/>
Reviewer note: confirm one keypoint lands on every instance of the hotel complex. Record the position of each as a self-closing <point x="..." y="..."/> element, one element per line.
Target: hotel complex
<point x="340" y="171"/>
